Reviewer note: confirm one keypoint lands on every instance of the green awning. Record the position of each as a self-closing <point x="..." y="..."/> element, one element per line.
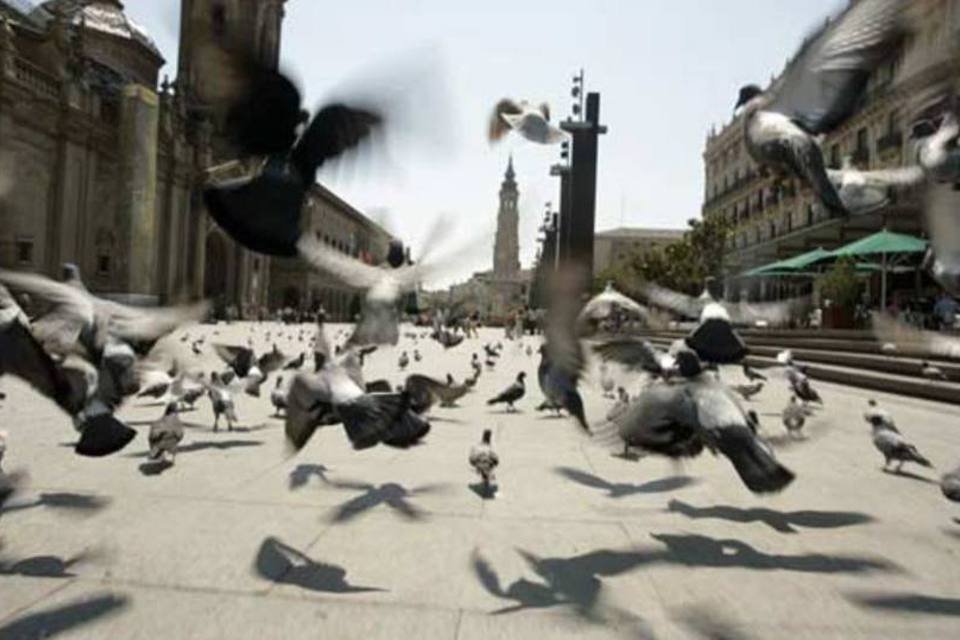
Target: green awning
<point x="790" y="266"/>
<point x="881" y="242"/>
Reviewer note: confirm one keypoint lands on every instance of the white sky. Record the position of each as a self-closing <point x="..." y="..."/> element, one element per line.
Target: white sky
<point x="666" y="70"/>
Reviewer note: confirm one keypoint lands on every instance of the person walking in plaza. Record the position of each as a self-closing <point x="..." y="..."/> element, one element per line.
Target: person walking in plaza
<point x="945" y="310"/>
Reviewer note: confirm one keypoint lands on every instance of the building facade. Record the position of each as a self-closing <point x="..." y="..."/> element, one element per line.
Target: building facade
<point x="341" y="227"/>
<point x="772" y="222"/>
<point x="613" y="246"/>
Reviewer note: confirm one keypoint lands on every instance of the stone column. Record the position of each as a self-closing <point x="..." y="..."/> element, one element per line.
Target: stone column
<point x="138" y="191"/>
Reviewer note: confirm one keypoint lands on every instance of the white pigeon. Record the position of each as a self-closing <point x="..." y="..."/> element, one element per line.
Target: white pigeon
<point x="530" y="122"/>
<point x="484" y="460"/>
<point x="222" y="401"/>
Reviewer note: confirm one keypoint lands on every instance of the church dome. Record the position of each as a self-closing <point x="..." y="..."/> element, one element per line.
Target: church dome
<point x="103" y="16"/>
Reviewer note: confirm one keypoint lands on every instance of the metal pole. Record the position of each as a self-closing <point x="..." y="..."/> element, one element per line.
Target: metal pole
<point x="883" y="284"/>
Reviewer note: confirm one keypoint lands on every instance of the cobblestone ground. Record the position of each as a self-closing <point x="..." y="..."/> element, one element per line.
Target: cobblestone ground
<point x="241" y="539"/>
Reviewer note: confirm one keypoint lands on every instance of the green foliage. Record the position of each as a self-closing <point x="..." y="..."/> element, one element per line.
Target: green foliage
<point x="840" y="284"/>
<point x="681" y="266"/>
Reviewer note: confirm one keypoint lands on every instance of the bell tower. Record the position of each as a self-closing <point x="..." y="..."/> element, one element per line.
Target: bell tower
<point x="252" y="24"/>
<point x="506" y="249"/>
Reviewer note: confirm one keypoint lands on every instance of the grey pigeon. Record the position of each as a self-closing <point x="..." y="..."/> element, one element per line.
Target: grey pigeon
<point x="680" y="420"/>
<point x="404" y="361"/>
<point x="821" y="89"/>
<point x="529" y="122"/>
<point x="484" y="460"/>
<point x="222" y="401"/>
<point x="800" y="384"/>
<point x="165" y="434"/>
<point x="891" y="444"/>
<point x="637" y="355"/>
<point x="747" y="391"/>
<point x="511" y="394"/>
<point x="278" y="397"/>
<point x="794" y="416"/>
<point x="950" y="485"/>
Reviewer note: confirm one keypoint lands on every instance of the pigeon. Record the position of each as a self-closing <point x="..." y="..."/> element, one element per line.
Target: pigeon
<point x="932" y="372"/>
<point x="529" y="122"/>
<point x="424" y="391"/>
<point x="609" y="302"/>
<point x="475" y="363"/>
<point x="637" y="355"/>
<point x="511" y="394"/>
<point x="448" y="339"/>
<point x="154" y="383"/>
<point x="165" y="434"/>
<point x="416" y="356"/>
<point x="242" y="359"/>
<point x="278" y="397"/>
<point x="252" y="383"/>
<point x="484" y="460"/>
<point x="491" y="351"/>
<point x="190" y="393"/>
<point x="747" y="391"/>
<point x="491" y="363"/>
<point x="820" y="90"/>
<point x="794" y="416"/>
<point x="890" y="442"/>
<point x="680" y="420"/>
<point x="471" y="382"/>
<point x="336" y="395"/>
<point x="800" y="384"/>
<point x="529" y="351"/>
<point x="621" y="404"/>
<point x="607" y="383"/>
<point x="950" y="485"/>
<point x="296" y="363"/>
<point x="752" y="374"/>
<point x="864" y="191"/>
<point x="222" y="400"/>
<point x="404" y="361"/>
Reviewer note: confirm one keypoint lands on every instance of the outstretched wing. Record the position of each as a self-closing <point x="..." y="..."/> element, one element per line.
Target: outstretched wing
<point x="907" y="338"/>
<point x="70" y="308"/>
<point x="828" y="75"/>
<point x="498" y="126"/>
<point x="675" y="301"/>
<point x="334" y="129"/>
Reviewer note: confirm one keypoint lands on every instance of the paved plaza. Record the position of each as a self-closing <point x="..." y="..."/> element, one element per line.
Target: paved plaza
<point x="242" y="539"/>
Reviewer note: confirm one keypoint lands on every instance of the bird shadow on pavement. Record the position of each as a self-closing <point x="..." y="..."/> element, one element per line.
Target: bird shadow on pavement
<point x="76" y="502"/>
<point x="154" y="467"/>
<point x="390" y="494"/>
<point x="707" y="622"/>
<point x="623" y="489"/>
<point x="506" y="412"/>
<point x="909" y="476"/>
<point x="702" y="551"/>
<point x="488" y="492"/>
<point x="282" y="564"/>
<point x="203" y="445"/>
<point x="573" y="582"/>
<point x="782" y="521"/>
<point x="910" y="603"/>
<point x="301" y="475"/>
<point x="628" y="456"/>
<point x="42" y="566"/>
<point x="51" y="622"/>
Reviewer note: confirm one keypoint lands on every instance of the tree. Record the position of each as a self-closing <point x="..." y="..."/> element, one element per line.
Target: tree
<point x="681" y="266"/>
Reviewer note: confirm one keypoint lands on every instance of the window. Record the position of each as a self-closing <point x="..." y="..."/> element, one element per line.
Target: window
<point x="835" y="156"/>
<point x="25" y="251"/>
<point x="103" y="265"/>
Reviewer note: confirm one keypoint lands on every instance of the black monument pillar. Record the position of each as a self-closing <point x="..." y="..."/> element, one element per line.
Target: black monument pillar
<point x="580" y="198"/>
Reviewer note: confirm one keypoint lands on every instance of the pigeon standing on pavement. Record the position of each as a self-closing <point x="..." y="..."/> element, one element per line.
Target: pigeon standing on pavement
<point x="416" y="356"/>
<point x="511" y="394"/>
<point x="484" y="460"/>
<point x="932" y="372"/>
<point x="165" y="434"/>
<point x="794" y="416"/>
<point x="800" y="384"/>
<point x="278" y="397"/>
<point x="950" y="485"/>
<point x="747" y="391"/>
<point x="223" y="404"/>
<point x="889" y="442"/>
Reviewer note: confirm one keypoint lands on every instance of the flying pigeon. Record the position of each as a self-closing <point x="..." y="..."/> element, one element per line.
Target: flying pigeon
<point x="484" y="460"/>
<point x="680" y="420"/>
<point x="424" y="391"/>
<point x="890" y="443"/>
<point x="165" y="434"/>
<point x="242" y="359"/>
<point x="901" y="335"/>
<point x="296" y="363"/>
<point x="610" y="301"/>
<point x="530" y="122"/>
<point x="511" y="394"/>
<point x="637" y="354"/>
<point x="820" y="90"/>
<point x="865" y="191"/>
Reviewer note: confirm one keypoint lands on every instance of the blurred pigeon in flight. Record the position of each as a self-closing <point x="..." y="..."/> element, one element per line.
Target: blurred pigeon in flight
<point x="820" y="90"/>
<point x="639" y="354"/>
<point x="530" y="122"/>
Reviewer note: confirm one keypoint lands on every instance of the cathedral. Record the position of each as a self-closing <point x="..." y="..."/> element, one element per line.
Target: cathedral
<point x="102" y="163"/>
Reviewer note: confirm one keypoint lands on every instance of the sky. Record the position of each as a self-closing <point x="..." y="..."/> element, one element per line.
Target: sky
<point x="667" y="70"/>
